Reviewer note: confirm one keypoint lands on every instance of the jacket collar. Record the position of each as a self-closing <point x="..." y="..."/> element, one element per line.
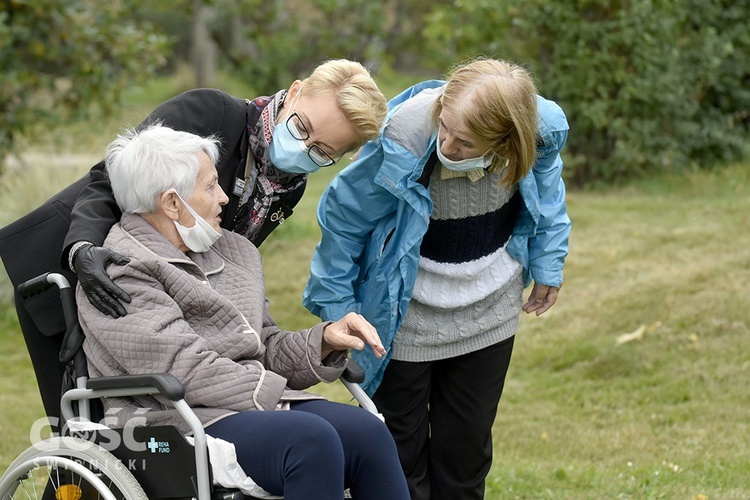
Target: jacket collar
<point x="146" y="236"/>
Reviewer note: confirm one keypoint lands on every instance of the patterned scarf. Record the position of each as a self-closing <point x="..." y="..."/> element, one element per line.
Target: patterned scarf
<point x="264" y="183"/>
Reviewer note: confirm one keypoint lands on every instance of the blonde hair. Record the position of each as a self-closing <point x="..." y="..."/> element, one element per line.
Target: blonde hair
<point x="496" y="100"/>
<point x="358" y="97"/>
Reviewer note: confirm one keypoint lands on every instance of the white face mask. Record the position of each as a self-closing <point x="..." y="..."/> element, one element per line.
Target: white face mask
<point x="201" y="236"/>
<point x="466" y="165"/>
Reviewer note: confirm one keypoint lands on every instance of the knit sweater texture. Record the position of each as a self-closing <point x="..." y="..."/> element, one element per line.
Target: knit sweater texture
<point x="468" y="291"/>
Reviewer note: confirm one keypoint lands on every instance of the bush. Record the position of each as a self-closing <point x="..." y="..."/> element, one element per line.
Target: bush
<point x="61" y="61"/>
<point x="647" y="86"/>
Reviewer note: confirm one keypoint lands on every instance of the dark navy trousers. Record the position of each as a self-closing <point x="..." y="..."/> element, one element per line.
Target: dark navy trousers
<point x="315" y="451"/>
<point x="441" y="414"/>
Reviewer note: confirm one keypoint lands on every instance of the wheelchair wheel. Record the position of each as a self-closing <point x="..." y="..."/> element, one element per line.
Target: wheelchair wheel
<point x="68" y="468"/>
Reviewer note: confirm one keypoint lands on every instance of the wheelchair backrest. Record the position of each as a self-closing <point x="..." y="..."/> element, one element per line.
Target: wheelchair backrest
<point x="31" y="246"/>
<point x="62" y="351"/>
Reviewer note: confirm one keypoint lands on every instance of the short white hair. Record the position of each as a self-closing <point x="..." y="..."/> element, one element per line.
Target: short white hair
<point x="143" y="164"/>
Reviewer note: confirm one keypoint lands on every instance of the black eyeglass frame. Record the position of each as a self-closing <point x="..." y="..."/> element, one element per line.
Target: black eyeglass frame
<point x="301" y="134"/>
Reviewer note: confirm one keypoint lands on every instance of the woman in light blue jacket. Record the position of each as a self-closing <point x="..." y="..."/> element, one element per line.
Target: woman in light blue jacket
<point x="432" y="235"/>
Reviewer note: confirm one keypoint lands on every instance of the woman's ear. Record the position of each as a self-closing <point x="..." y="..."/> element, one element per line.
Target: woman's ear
<point x="169" y="203"/>
<point x="294" y="89"/>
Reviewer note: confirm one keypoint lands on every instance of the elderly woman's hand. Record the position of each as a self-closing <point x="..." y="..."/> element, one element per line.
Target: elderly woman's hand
<point x="351" y="332"/>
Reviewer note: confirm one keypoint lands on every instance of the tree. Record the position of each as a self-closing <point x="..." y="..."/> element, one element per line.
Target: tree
<point x="647" y="85"/>
<point x="62" y="60"/>
<point x="272" y="42"/>
<point x="204" y="49"/>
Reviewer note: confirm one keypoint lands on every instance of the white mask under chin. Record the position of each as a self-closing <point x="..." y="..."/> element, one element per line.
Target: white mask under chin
<point x="201" y="236"/>
<point x="466" y="165"/>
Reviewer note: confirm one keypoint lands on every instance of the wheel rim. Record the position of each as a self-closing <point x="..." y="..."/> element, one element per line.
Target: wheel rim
<point x="68" y="479"/>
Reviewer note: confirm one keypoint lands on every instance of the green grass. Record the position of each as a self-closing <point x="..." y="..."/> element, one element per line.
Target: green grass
<point x="670" y="254"/>
<point x="664" y="416"/>
<point x="20" y="404"/>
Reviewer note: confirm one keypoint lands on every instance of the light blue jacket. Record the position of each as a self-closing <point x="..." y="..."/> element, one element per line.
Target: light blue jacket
<point x="374" y="214"/>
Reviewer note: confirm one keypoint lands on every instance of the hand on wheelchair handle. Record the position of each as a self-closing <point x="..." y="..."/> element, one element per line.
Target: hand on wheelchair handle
<point x="91" y="263"/>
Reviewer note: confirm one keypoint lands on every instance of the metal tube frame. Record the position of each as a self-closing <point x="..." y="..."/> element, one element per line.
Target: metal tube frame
<point x="187" y="414"/>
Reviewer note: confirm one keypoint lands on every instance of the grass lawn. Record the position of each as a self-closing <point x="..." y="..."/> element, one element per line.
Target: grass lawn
<point x="665" y="262"/>
<point x="633" y="386"/>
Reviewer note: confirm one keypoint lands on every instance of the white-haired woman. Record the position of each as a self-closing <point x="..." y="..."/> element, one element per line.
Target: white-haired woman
<point x="431" y="236"/>
<point x="198" y="311"/>
<point x="269" y="146"/>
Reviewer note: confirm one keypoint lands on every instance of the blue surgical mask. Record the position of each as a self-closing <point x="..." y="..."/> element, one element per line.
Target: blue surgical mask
<point x="289" y="154"/>
<point x="467" y="165"/>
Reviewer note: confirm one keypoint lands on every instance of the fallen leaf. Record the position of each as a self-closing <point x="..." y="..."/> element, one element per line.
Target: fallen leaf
<point x="629" y="337"/>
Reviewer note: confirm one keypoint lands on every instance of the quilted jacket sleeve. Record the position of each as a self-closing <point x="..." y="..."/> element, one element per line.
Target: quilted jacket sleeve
<point x="296" y="355"/>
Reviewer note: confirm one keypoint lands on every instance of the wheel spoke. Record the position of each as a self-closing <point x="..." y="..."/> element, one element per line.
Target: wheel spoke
<point x="70" y="469"/>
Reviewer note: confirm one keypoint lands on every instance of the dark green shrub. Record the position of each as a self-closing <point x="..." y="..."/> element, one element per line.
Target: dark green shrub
<point x="647" y="85"/>
<point x="62" y="61"/>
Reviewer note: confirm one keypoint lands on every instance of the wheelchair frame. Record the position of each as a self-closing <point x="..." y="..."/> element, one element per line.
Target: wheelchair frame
<point x="65" y="451"/>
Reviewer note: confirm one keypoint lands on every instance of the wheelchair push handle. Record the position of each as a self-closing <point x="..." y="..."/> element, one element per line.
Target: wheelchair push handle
<point x="42" y="283"/>
<point x="46" y="281"/>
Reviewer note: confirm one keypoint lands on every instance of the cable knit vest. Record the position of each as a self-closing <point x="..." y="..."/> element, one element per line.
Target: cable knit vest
<point x="468" y="291"/>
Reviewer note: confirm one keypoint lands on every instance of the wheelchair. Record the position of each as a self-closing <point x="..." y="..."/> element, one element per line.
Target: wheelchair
<point x="86" y="460"/>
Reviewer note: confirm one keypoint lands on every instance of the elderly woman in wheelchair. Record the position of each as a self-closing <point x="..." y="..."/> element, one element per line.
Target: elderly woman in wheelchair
<point x="199" y="312"/>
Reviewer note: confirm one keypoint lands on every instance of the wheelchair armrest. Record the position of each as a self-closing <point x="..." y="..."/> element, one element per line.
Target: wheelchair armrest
<point x="167" y="384"/>
<point x="353" y="373"/>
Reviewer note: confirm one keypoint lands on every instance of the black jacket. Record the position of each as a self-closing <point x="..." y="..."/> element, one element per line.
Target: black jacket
<point x="204" y="112"/>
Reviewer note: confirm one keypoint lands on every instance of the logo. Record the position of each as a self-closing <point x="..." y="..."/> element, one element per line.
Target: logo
<point x="278" y="216"/>
<point x="155" y="446"/>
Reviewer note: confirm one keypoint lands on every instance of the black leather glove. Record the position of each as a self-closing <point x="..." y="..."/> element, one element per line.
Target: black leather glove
<point x="90" y="263"/>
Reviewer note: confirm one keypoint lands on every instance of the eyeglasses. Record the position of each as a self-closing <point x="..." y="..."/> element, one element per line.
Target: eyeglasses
<point x="316" y="153"/>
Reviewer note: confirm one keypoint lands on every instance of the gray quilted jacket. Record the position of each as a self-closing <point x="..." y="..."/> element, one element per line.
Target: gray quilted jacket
<point x="203" y="318"/>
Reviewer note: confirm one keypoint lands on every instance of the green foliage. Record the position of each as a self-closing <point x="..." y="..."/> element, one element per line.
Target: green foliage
<point x="647" y="86"/>
<point x="271" y="43"/>
<point x="62" y="61"/>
